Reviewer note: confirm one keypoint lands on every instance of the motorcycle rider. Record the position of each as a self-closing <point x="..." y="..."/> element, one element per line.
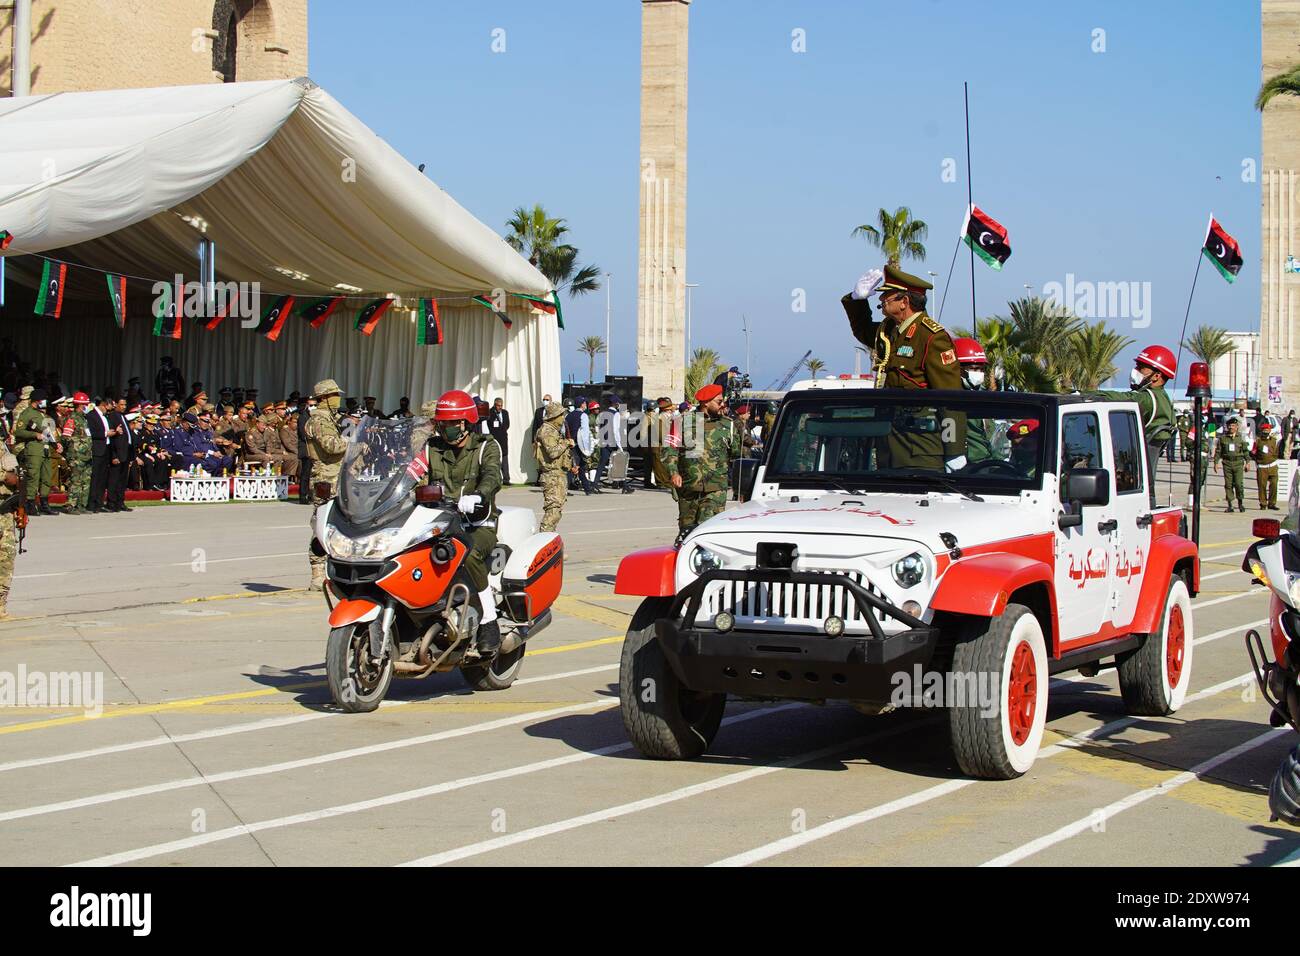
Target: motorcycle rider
<point x="468" y="464"/>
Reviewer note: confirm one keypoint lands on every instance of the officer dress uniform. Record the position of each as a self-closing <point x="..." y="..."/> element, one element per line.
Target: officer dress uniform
<point x="917" y="353"/>
<point x="1265" y="455"/>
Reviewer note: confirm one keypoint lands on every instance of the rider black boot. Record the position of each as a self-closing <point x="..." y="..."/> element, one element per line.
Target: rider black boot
<point x="488" y="639"/>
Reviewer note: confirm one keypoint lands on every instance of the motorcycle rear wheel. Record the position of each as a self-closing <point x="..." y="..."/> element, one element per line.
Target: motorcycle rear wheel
<point x="356" y="683"/>
<point x="498" y="675"/>
<point x="1284" y="793"/>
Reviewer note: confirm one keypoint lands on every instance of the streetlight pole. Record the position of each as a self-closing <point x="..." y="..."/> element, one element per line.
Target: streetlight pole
<point x="608" y="311"/>
<point x="744" y="325"/>
<point x="22" y="53"/>
<point x="934" y="281"/>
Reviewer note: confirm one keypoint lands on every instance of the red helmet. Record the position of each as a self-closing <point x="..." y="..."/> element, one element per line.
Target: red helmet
<point x="1159" y="358"/>
<point x="970" y="352"/>
<point x="456" y="406"/>
<point x="80" y="398"/>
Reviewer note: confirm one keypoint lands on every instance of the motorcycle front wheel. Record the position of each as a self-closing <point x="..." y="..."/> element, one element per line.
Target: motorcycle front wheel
<point x="357" y="681"/>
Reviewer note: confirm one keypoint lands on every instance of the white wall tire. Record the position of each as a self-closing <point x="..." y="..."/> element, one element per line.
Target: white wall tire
<point x="1154" y="678"/>
<point x="999" y="738"/>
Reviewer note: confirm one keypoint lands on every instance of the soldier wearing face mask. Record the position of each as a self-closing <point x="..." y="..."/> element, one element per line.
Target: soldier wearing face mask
<point x="1154" y="367"/>
<point x="974" y="366"/>
<point x="467" y="463"/>
<point x="325" y="447"/>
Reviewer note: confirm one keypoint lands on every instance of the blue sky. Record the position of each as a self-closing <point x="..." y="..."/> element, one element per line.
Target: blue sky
<point x="1104" y="165"/>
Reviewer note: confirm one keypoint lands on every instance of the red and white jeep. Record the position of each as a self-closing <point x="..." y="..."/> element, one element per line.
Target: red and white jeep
<point x="876" y="563"/>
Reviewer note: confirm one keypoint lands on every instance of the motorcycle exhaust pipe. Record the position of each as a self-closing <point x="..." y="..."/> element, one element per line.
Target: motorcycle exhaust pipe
<point x="511" y="641"/>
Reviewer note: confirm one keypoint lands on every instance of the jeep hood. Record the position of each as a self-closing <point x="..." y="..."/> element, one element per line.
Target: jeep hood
<point x="920" y="518"/>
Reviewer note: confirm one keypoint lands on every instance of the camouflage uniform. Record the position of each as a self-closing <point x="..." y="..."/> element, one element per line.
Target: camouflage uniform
<point x="78" y="453"/>
<point x="554" y="462"/>
<point x="325" y="447"/>
<point x="8" y="532"/>
<point x="708" y="447"/>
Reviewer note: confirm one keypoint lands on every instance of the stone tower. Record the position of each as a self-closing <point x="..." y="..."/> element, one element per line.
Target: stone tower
<point x="661" y="269"/>
<point x="1279" y="214"/>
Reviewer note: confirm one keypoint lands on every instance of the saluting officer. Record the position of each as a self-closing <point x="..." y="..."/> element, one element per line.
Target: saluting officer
<point x="1233" y="452"/>
<point x="1264" y="453"/>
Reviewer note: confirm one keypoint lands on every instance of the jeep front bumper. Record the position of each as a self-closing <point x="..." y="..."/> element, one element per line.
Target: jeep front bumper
<point x="774" y="662"/>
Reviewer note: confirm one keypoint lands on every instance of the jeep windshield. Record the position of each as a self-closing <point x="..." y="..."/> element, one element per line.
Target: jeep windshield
<point x="887" y="441"/>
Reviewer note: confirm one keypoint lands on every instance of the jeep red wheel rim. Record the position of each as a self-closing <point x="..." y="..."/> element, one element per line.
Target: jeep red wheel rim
<point x="1175" y="646"/>
<point x="1022" y="693"/>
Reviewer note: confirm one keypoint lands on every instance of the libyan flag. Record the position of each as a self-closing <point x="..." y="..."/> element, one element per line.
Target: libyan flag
<point x="6" y="237"/>
<point x="49" y="301"/>
<point x="369" y="317"/>
<point x="316" y="311"/>
<point x="274" y="316"/>
<point x="488" y="303"/>
<point x="166" y="310"/>
<point x="117" y="295"/>
<point x="428" y="327"/>
<point x="1221" y="249"/>
<point x="987" y="237"/>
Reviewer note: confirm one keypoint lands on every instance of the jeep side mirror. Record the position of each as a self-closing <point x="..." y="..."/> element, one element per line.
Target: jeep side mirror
<point x="1088" y="486"/>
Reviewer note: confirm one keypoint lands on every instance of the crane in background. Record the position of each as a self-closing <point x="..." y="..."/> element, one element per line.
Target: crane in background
<point x="784" y="383"/>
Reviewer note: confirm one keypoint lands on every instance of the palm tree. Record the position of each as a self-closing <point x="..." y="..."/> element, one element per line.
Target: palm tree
<point x="704" y="368"/>
<point x="1043" y="332"/>
<point x="815" y="365"/>
<point x="896" y="234"/>
<point x="592" y="345"/>
<point x="537" y="236"/>
<point x="1209" y="344"/>
<point x="1090" y="358"/>
<point x="1287" y="84"/>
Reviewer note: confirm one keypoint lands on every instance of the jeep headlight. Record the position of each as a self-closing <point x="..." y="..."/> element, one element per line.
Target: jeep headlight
<point x="704" y="560"/>
<point x="910" y="571"/>
<point x="367" y="546"/>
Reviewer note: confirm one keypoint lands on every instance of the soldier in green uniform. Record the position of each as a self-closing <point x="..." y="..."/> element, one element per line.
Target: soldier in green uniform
<point x="700" y="468"/>
<point x="8" y="529"/>
<point x="912" y="351"/>
<point x="1233" y="452"/>
<point x="660" y="434"/>
<point x="1264" y="454"/>
<point x="1209" y="435"/>
<point x="468" y="464"/>
<point x="37" y="440"/>
<point x="1184" y="429"/>
<point x="974" y="364"/>
<point x="1154" y="367"/>
<point x="554" y="462"/>
<point x="325" y="447"/>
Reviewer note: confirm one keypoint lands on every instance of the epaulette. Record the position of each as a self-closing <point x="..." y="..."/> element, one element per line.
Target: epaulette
<point x="931" y="324"/>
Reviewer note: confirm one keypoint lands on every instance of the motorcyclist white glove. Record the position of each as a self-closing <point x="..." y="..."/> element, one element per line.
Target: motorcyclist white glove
<point x="868" y="283"/>
<point x="469" y="503"/>
<point x="956" y="464"/>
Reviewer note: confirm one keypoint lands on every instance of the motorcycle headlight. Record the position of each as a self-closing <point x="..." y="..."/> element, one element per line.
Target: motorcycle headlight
<point x="910" y="571"/>
<point x="702" y="560"/>
<point x="375" y="545"/>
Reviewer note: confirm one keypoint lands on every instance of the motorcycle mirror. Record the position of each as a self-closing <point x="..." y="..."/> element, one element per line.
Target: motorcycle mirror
<point x="1266" y="528"/>
<point x="430" y="494"/>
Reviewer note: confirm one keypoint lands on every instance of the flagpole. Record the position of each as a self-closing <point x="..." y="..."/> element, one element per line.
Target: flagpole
<point x="970" y="203"/>
<point x="1182" y="336"/>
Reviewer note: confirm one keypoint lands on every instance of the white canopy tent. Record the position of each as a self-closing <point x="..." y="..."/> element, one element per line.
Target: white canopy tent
<point x="299" y="196"/>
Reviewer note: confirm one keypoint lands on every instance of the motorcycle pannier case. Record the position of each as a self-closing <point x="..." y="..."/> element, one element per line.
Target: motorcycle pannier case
<point x="533" y="576"/>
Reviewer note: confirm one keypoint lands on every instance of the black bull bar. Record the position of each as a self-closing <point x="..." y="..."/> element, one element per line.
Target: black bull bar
<point x="775" y="662"/>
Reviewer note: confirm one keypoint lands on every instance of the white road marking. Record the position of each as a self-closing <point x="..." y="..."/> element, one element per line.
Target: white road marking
<point x="786" y="844"/>
<point x="245" y="557"/>
<point x="172" y="846"/>
<point x="47" y="574"/>
<point x="146" y="534"/>
<point x="1199" y="605"/>
<point x="1132" y="800"/>
<point x="208" y="779"/>
<point x="268" y="724"/>
<point x="648" y="803"/>
<point x="189" y="612"/>
<point x="1221" y="574"/>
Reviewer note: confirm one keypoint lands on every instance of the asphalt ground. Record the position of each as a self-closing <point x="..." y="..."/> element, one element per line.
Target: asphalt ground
<point x="217" y="744"/>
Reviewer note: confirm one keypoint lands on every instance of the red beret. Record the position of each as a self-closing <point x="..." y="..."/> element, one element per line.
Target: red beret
<point x="708" y="393"/>
<point x="1022" y="428"/>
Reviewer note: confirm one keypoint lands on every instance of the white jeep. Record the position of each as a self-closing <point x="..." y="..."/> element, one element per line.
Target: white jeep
<point x="946" y="548"/>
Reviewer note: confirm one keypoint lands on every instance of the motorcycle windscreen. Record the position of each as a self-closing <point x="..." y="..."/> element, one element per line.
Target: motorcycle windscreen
<point x="384" y="461"/>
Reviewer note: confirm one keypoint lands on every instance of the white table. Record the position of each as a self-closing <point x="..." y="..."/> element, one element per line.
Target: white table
<point x="261" y="487"/>
<point x="186" y="490"/>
